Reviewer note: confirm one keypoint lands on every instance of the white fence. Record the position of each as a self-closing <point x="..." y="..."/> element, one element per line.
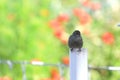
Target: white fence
<point x="59" y="66"/>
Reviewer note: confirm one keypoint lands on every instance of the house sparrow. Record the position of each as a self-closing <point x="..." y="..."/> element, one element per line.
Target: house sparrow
<point x="75" y="41"/>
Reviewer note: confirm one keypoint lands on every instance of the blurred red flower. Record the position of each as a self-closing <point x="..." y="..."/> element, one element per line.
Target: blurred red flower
<point x="63" y="18"/>
<point x="55" y="74"/>
<point x="77" y="12"/>
<point x="108" y="38"/>
<point x="82" y="15"/>
<point x="64" y="40"/>
<point x="1" y="78"/>
<point x="61" y="36"/>
<point x="92" y="5"/>
<point x="5" y="78"/>
<point x="65" y="60"/>
<point x="54" y="24"/>
<point x="95" y="6"/>
<point x="86" y="3"/>
<point x="58" y="34"/>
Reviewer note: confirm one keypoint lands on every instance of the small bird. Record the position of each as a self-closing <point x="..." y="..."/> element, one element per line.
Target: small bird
<point x="75" y="41"/>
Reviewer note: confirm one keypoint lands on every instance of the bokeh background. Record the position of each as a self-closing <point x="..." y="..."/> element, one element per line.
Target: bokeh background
<point x="38" y="30"/>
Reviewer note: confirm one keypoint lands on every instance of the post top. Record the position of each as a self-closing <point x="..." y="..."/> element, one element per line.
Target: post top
<point x="77" y="51"/>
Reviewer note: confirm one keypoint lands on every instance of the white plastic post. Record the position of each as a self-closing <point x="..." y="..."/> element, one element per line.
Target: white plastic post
<point x="78" y="65"/>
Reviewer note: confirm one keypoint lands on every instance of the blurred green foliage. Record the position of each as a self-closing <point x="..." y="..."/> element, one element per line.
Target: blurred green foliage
<point x="25" y="34"/>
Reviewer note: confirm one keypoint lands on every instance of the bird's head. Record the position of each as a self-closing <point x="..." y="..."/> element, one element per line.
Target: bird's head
<point x="76" y="32"/>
